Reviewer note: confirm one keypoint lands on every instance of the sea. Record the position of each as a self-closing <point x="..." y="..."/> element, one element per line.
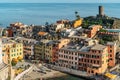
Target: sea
<point x="40" y="13"/>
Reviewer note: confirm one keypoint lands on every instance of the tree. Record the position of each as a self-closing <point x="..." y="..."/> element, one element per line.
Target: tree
<point x="101" y="41"/>
<point x="76" y="12"/>
<point x="77" y="16"/>
<point x="19" y="58"/>
<point x="14" y="62"/>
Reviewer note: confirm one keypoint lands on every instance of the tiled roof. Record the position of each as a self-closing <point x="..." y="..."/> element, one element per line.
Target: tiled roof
<point x="42" y="33"/>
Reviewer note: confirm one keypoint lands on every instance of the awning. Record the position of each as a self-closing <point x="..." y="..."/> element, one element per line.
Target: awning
<point x="111" y="76"/>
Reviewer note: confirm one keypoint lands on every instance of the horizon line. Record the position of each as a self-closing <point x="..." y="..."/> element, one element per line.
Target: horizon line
<point x="64" y="3"/>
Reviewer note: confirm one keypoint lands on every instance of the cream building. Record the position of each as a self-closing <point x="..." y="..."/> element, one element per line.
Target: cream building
<point x="12" y="48"/>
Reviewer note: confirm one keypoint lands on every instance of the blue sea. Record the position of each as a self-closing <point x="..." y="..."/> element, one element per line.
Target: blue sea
<point x="39" y="13"/>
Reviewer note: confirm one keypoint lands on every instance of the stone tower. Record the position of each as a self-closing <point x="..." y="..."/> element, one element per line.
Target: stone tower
<point x="101" y="11"/>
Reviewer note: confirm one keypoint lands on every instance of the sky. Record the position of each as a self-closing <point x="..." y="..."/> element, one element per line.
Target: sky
<point x="59" y="1"/>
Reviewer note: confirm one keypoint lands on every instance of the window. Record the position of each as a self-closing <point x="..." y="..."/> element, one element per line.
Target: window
<point x="88" y="61"/>
<point x="97" y="56"/>
<point x="91" y="61"/>
<point x="99" y="51"/>
<point x="92" y="71"/>
<point x="88" y="71"/>
<point x="110" y="50"/>
<point x="92" y="56"/>
<point x="72" y="62"/>
<point x="85" y="60"/>
<point x="69" y="57"/>
<point x="20" y="53"/>
<point x="94" y="61"/>
<point x="75" y="53"/>
<point x="72" y="53"/>
<point x="72" y="57"/>
<point x="75" y="58"/>
<point x="97" y="62"/>
<point x="110" y="46"/>
<point x="110" y="55"/>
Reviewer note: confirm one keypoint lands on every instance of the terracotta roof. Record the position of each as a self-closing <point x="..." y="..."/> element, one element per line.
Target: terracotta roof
<point x="42" y="33"/>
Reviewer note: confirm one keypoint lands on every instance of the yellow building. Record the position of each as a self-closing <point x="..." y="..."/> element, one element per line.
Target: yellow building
<point x="77" y="23"/>
<point x="12" y="49"/>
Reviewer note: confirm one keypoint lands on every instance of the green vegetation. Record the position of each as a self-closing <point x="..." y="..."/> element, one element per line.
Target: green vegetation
<point x="106" y="38"/>
<point x="77" y="15"/>
<point x="14" y="61"/>
<point x="102" y="30"/>
<point x="88" y="21"/>
<point x="102" y="41"/>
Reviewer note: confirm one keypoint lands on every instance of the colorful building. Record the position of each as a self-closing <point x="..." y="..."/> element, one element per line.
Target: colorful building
<point x="112" y="53"/>
<point x="44" y="50"/>
<point x="92" y="31"/>
<point x="28" y="46"/>
<point x="20" y="29"/>
<point x="90" y="59"/>
<point x="47" y="50"/>
<point x="77" y="23"/>
<point x="56" y="27"/>
<point x="11" y="48"/>
<point x="62" y="21"/>
<point x="96" y="61"/>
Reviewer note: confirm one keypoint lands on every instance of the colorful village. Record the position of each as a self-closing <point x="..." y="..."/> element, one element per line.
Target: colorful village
<point x="86" y="47"/>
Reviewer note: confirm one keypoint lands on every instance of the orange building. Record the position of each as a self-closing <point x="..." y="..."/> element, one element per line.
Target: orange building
<point x="61" y="43"/>
<point x="93" y="30"/>
<point x="111" y="53"/>
<point x="97" y="60"/>
<point x="92" y="60"/>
